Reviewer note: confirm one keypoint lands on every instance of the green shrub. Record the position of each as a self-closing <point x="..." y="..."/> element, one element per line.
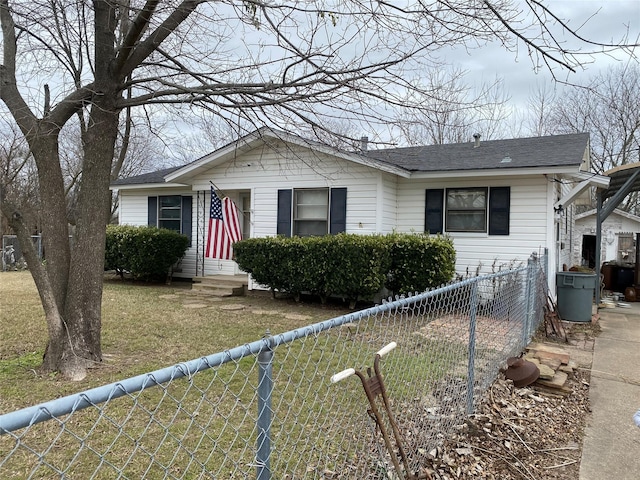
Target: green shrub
<point x="348" y="265"/>
<point x="419" y="262"/>
<point x="147" y="253"/>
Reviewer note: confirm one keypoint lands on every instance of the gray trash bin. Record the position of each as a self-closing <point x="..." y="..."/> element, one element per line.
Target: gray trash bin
<point x="575" y="295"/>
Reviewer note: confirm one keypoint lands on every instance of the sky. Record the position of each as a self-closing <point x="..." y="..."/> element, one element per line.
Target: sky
<point x="599" y="20"/>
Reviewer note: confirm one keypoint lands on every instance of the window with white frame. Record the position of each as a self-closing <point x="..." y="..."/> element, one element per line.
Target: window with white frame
<point x="466" y="210"/>
<point x="310" y="212"/>
<point x="477" y="209"/>
<point x="170" y="212"/>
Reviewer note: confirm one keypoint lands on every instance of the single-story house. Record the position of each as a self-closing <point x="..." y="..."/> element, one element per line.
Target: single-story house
<point x="499" y="200"/>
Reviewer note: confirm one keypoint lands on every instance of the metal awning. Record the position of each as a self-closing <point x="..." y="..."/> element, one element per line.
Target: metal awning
<point x="624" y="180"/>
<point x="584" y="181"/>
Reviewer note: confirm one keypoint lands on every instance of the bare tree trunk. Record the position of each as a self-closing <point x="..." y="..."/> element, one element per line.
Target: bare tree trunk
<point x="55" y="326"/>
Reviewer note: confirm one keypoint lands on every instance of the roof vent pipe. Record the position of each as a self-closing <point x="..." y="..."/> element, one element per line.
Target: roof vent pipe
<point x="364" y="143"/>
<point x="476" y="140"/>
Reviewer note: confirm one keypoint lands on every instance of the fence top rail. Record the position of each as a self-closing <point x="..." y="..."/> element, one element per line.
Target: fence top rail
<point x="28" y="416"/>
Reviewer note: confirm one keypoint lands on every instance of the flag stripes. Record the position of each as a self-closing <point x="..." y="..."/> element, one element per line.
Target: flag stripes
<point x="224" y="228"/>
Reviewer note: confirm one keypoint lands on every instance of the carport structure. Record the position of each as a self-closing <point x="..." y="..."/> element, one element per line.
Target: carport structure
<point x="624" y="179"/>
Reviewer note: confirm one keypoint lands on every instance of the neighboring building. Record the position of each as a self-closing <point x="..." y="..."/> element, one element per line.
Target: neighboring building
<point x="619" y="232"/>
<point x="498" y="200"/>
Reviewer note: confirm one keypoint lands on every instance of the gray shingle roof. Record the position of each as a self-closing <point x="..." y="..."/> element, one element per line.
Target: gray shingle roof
<point x="551" y="151"/>
<point x="151" y="177"/>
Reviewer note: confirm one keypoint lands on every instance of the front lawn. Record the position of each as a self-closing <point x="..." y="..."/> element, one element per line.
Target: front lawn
<point x="144" y="328"/>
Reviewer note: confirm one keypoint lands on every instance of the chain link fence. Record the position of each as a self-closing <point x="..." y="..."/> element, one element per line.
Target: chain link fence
<point x="269" y="409"/>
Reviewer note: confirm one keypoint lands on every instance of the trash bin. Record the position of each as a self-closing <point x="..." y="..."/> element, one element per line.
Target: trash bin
<point x="575" y="295"/>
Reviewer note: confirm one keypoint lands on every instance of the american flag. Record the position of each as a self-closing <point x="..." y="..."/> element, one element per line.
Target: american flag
<point x="224" y="228"/>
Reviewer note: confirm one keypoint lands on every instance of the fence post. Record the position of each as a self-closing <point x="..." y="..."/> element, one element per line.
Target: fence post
<point x="529" y="301"/>
<point x="265" y="390"/>
<point x="546" y="269"/>
<point x="473" y="307"/>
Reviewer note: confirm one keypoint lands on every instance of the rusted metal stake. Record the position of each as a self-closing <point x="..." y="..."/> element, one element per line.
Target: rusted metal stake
<point x="373" y="386"/>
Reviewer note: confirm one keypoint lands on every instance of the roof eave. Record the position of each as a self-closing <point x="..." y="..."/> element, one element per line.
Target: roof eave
<point x="617" y="211"/>
<point x="138" y="186"/>
<point x="497" y="172"/>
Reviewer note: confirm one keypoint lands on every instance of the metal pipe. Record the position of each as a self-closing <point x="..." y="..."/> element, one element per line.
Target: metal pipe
<point x="598" y="244"/>
<point x="472" y="347"/>
<point x="265" y="391"/>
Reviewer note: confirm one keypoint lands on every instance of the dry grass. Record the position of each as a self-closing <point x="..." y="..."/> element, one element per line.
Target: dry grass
<point x="144" y="328"/>
<point x="167" y="431"/>
<point x="147" y="327"/>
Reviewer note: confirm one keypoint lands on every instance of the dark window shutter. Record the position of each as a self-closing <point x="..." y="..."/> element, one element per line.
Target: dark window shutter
<point x="434" y="204"/>
<point x="285" y="199"/>
<point x="338" y="211"/>
<point x="186" y="217"/>
<point x="499" y="205"/>
<point x="152" y="212"/>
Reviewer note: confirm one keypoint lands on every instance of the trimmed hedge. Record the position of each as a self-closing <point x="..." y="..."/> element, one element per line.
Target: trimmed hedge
<point x="348" y="265"/>
<point x="147" y="253"/>
<point x="419" y="262"/>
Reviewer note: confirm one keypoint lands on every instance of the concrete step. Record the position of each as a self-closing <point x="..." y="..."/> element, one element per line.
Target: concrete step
<point x="221" y="285"/>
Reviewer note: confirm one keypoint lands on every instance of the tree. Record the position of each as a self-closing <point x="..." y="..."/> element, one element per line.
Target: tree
<point x="17" y="171"/>
<point x="540" y="120"/>
<point x="454" y="111"/>
<point x="250" y="63"/>
<point x="607" y="106"/>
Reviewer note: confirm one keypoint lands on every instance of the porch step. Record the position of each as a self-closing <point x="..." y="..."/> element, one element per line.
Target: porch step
<point x="221" y="285"/>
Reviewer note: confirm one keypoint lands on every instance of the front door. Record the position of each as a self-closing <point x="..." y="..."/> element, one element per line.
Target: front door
<point x="244" y="205"/>
<point x="589" y="250"/>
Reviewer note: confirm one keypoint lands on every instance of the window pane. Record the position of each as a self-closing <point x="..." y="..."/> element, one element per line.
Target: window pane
<point x="172" y="201"/>
<point x="170" y="224"/>
<point x="464" y="221"/>
<point x="311" y="204"/>
<point x="307" y="228"/>
<point x="311" y="212"/>
<point x="466" y="199"/>
<point x="170" y="213"/>
<point x="312" y="196"/>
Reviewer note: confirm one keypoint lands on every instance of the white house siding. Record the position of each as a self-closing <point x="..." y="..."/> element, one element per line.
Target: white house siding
<point x="388" y="203"/>
<point x="264" y="171"/>
<point x="133" y="211"/>
<point x="563" y="227"/>
<point x="528" y="221"/>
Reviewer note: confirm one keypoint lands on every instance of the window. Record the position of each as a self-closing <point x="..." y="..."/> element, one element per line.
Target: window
<point x="484" y="210"/>
<point x="169" y="213"/>
<point x="310" y="212"/>
<point x="626" y="248"/>
<point x="466" y="210"/>
<point x="172" y="212"/>
<point x="245" y="210"/>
